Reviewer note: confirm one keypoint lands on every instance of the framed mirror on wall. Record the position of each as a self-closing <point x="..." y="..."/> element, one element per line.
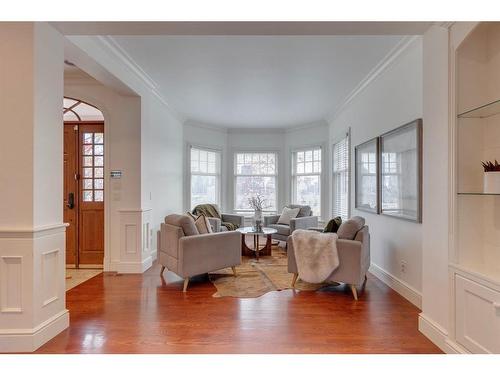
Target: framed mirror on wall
<point x="367" y="176"/>
<point x="401" y="172"/>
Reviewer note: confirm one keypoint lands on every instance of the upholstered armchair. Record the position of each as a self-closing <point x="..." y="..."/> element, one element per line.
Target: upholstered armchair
<point x="304" y="220"/>
<point x="354" y="260"/>
<point x="182" y="250"/>
<point x="220" y="222"/>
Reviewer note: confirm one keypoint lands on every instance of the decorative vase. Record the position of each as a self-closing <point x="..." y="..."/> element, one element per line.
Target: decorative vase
<point x="491" y="182"/>
<point x="257" y="220"/>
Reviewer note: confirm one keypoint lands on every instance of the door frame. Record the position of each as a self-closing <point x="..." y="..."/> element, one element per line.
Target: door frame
<point x="107" y="207"/>
<point x="79" y="190"/>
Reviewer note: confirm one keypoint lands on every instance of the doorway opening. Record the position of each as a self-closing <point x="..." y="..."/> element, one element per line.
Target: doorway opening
<point x="84" y="196"/>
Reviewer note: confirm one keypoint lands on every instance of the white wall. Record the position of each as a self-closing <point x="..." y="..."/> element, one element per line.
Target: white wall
<point x="392" y="99"/>
<point x="162" y="162"/>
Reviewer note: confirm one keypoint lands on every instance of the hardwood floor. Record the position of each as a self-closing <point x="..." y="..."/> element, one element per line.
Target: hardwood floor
<point x="149" y="314"/>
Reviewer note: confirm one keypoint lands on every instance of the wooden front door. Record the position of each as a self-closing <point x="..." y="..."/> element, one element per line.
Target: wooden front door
<point x="85" y="237"/>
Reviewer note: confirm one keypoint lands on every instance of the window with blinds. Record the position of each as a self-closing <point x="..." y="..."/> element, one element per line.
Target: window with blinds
<point x="340" y="162"/>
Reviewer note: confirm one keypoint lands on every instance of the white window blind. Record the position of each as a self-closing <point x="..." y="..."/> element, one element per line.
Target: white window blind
<point x="340" y="162"/>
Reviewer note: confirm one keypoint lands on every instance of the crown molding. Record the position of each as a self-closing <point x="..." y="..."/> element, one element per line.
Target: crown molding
<point x="113" y="47"/>
<point x="385" y="63"/>
<point x="317" y="124"/>
<point x="445" y="25"/>
<point x="200" y="125"/>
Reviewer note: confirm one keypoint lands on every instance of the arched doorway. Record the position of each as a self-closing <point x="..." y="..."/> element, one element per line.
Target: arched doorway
<point x="84" y="197"/>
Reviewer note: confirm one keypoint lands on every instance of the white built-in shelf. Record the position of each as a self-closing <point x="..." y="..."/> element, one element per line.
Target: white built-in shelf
<point x="480" y="271"/>
<point x="487" y="110"/>
<point x="477" y="193"/>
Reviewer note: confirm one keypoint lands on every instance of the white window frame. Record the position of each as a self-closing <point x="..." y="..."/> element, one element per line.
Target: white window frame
<point x="338" y="174"/>
<point x="275" y="175"/>
<point x="217" y="175"/>
<point x="294" y="175"/>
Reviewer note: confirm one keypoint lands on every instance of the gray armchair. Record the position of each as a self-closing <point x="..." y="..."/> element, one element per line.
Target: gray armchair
<point x="304" y="220"/>
<point x="354" y="261"/>
<point x="186" y="253"/>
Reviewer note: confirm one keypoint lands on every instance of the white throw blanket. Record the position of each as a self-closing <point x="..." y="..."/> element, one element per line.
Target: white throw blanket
<point x="316" y="254"/>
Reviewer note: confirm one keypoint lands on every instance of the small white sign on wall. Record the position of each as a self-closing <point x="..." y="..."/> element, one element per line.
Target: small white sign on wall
<point x="116" y="174"/>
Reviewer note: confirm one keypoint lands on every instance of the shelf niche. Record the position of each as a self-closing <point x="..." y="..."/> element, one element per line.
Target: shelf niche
<point x="478" y="139"/>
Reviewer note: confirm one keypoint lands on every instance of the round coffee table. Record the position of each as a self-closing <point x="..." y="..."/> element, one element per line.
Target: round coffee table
<point x="251" y="231"/>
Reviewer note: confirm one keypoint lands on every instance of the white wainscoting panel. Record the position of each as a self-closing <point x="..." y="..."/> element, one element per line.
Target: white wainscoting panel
<point x="11" y="284"/>
<point x="50" y="276"/>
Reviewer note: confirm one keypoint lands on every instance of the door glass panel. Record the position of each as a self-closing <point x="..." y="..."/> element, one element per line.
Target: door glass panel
<point x="98" y="161"/>
<point x="87" y="195"/>
<point x="99" y="172"/>
<point x="87" y="183"/>
<point x="99" y="196"/>
<point x="98" y="138"/>
<point x="87" y="150"/>
<point x="87" y="161"/>
<point x="93" y="178"/>
<point x="87" y="172"/>
<point x="98" y="150"/>
<point x="87" y="138"/>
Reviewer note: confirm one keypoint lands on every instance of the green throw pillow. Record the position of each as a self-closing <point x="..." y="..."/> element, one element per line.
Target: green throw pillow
<point x="333" y="225"/>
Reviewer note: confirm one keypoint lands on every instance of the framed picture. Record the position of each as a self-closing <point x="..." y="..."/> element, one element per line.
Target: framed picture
<point x="401" y="172"/>
<point x="367" y="176"/>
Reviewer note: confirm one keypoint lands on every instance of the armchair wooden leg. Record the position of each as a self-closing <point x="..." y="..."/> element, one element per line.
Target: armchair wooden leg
<point x="162" y="269"/>
<point x="234" y="270"/>
<point x="295" y="277"/>
<point x="354" y="292"/>
<point x="186" y="282"/>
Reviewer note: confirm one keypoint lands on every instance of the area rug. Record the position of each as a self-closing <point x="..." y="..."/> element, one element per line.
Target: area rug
<point x="75" y="277"/>
<point x="256" y="278"/>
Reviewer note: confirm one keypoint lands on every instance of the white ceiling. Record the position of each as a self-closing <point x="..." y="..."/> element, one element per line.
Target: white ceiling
<point x="256" y="81"/>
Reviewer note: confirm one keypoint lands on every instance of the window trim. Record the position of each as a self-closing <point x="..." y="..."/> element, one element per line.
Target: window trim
<point x="336" y="140"/>
<point x="190" y="174"/>
<point x="275" y="175"/>
<point x="293" y="174"/>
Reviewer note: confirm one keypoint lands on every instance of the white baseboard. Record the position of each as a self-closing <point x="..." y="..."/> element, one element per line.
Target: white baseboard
<point x="29" y="340"/>
<point x="397" y="284"/>
<point x="438" y="335"/>
<point x="154" y="255"/>
<point x="132" y="267"/>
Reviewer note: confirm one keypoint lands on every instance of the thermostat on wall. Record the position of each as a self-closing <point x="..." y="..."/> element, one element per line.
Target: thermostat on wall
<point x="116" y="174"/>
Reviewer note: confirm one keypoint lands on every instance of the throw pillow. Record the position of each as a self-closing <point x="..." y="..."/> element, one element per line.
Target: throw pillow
<point x="202" y="228"/>
<point x="203" y="225"/>
<point x="349" y="228"/>
<point x="333" y="225"/>
<point x="287" y="214"/>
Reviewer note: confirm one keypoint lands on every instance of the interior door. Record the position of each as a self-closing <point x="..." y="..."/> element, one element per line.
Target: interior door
<point x="71" y="191"/>
<point x="91" y="197"/>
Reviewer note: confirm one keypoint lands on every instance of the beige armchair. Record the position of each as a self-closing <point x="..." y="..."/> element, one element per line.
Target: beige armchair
<point x="182" y="250"/>
<point x="354" y="261"/>
<point x="304" y="220"/>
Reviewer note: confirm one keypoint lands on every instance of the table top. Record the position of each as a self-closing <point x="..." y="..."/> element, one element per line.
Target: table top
<point x="251" y="230"/>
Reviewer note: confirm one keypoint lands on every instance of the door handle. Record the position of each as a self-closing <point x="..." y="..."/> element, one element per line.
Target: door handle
<point x="71" y="201"/>
<point x="496" y="305"/>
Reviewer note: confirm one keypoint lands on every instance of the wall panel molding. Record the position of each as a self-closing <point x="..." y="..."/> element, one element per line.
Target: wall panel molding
<point x="11" y="284"/>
